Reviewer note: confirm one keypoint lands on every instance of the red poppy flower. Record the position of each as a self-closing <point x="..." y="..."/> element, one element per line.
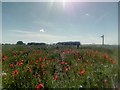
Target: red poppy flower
<point x="43" y="65"/>
<point x="15" y="54"/>
<point x="40" y="59"/>
<point x="62" y="63"/>
<point x="105" y="56"/>
<point x="36" y="61"/>
<point x="15" y="72"/>
<point x="112" y="61"/>
<point x="31" y="62"/>
<point x="4" y="58"/>
<point x="40" y="86"/>
<point x="20" y="63"/>
<point x="11" y="65"/>
<point x="68" y="52"/>
<point x="83" y="72"/>
<point x="55" y="77"/>
<point x="38" y="75"/>
<point x="44" y="59"/>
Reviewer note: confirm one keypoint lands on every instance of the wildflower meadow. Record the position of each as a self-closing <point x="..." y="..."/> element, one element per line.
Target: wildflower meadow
<point x="66" y="67"/>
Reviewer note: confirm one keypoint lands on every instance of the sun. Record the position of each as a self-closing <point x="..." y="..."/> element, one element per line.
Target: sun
<point x="63" y="3"/>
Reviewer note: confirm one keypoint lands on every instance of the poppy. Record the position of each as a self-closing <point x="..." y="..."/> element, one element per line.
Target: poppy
<point x="83" y="72"/>
<point x="20" y="63"/>
<point x="40" y="59"/>
<point x="55" y="77"/>
<point x="62" y="63"/>
<point x="11" y="65"/>
<point x="40" y="86"/>
<point x="15" y="72"/>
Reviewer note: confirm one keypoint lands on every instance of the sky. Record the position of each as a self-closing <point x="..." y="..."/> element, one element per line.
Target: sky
<point x="0" y="23"/>
<point x="60" y="0"/>
<point x="52" y="22"/>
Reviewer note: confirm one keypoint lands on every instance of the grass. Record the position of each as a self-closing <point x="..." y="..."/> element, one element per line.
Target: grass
<point x="65" y="67"/>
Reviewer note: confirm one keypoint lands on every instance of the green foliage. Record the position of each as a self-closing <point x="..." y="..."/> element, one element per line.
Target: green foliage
<point x="20" y="43"/>
<point x="59" y="68"/>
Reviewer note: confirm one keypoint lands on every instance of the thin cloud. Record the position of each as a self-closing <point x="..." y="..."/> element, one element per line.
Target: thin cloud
<point x="21" y="31"/>
<point x="42" y="30"/>
<point x="44" y="23"/>
<point x="101" y="18"/>
<point x="87" y="14"/>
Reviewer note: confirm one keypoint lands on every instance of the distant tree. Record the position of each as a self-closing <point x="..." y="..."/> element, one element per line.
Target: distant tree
<point x="20" y="43"/>
<point x="7" y="44"/>
<point x="33" y="43"/>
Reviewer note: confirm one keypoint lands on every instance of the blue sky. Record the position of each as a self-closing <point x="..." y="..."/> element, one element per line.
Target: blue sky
<point x="60" y="21"/>
<point x="60" y="0"/>
<point x="0" y="22"/>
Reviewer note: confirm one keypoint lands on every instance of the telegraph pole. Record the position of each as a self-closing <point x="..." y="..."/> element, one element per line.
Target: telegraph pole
<point x="102" y="39"/>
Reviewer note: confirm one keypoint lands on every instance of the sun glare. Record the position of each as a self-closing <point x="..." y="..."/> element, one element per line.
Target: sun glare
<point x="63" y="3"/>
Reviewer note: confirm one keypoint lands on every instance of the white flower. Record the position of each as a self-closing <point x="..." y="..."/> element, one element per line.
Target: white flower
<point x="88" y="77"/>
<point x="4" y="73"/>
<point x="105" y="66"/>
<point x="81" y="86"/>
<point x="1" y="74"/>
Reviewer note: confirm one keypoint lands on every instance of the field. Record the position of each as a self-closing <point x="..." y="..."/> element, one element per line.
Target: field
<point x="59" y="67"/>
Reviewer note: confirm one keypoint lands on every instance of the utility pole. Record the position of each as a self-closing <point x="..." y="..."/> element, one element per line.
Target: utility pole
<point x="102" y="39"/>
